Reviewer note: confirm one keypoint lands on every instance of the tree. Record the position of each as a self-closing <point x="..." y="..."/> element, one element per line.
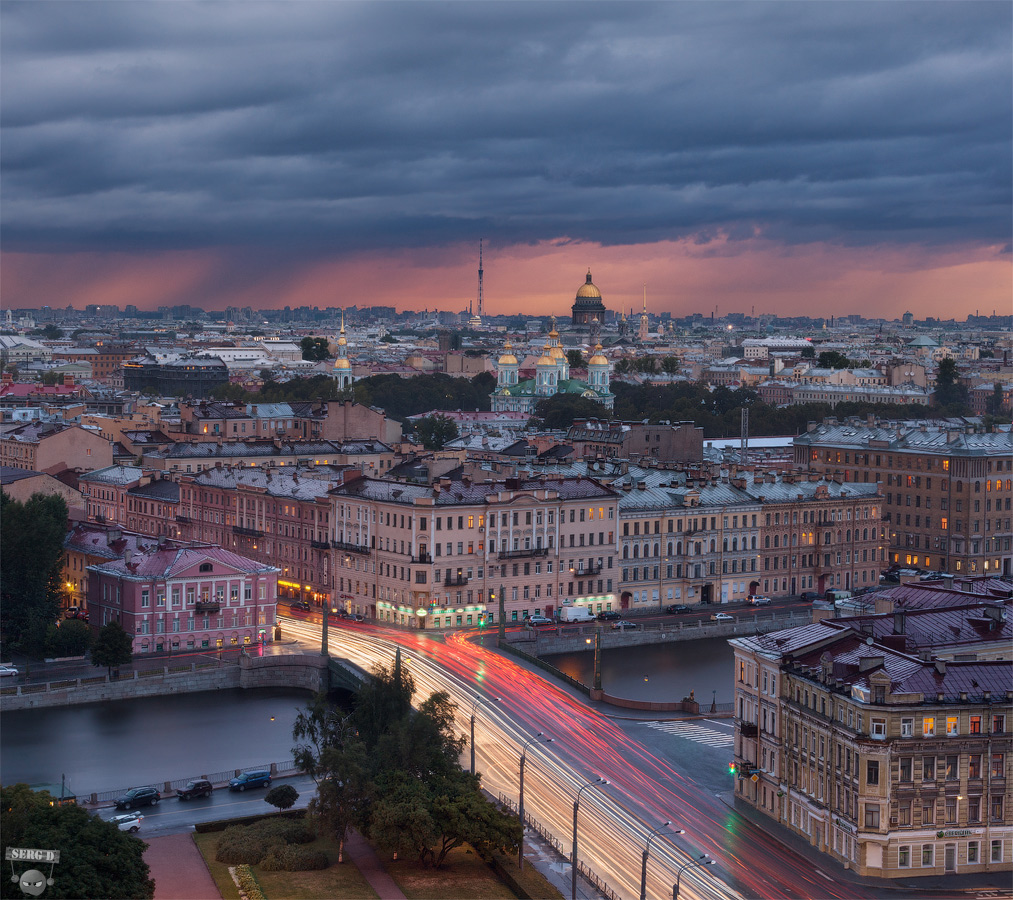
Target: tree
<point x="809" y="352"/>
<point x="575" y="359"/>
<point x="436" y="431"/>
<point x="950" y="393"/>
<point x="560" y="410"/>
<point x="670" y="365"/>
<point x="994" y="403"/>
<point x="282" y="796"/>
<point x="31" y="546"/>
<point x="388" y="339"/>
<point x="314" y="349"/>
<point x="112" y="647"/>
<point x="330" y="751"/>
<point x="50" y="377"/>
<point x="71" y="637"/>
<point x="832" y="359"/>
<point x="96" y="858"/>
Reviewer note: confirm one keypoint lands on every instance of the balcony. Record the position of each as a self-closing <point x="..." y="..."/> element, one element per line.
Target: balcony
<point x="249" y="532"/>
<point x="351" y="548"/>
<point x="529" y="552"/>
<point x="423" y="559"/>
<point x="455" y="580"/>
<point x="748" y="729"/>
<point x="186" y="520"/>
<point x="321" y="545"/>
<point x="589" y="572"/>
<point x="209" y="607"/>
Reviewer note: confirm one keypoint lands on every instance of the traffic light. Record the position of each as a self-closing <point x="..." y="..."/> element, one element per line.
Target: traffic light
<point x="732" y="769"/>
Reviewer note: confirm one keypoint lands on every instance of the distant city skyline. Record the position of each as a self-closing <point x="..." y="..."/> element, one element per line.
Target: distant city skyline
<point x="779" y="158"/>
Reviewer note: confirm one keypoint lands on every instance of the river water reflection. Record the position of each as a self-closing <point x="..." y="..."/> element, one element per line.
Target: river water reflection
<point x="106" y="746"/>
<point x="659" y="672"/>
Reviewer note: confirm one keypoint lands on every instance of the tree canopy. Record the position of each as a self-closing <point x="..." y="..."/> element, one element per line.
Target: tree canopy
<point x="113" y="647"/>
<point x="560" y="410"/>
<point x="96" y="858"/>
<point x="314" y="349"/>
<point x="435" y="431"/>
<point x="951" y="395"/>
<point x="31" y="546"/>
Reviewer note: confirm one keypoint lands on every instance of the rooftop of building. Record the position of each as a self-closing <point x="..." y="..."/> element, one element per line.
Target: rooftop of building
<point x="167" y="562"/>
<point x="452" y="492"/>
<point x="114" y="475"/>
<point x="964" y="437"/>
<point x="270" y="448"/>
<point x="292" y="485"/>
<point x="161" y="489"/>
<point x="110" y="542"/>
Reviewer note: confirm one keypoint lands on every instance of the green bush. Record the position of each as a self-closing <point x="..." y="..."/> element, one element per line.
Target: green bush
<point x="251" y="843"/>
<point x="291" y="858"/>
<point x="248" y="883"/>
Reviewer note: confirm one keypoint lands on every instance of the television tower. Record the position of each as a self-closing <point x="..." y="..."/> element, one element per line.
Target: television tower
<point x="477" y="318"/>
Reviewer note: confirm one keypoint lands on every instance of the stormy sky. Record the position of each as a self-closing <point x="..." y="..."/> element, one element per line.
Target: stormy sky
<point x="791" y="157"/>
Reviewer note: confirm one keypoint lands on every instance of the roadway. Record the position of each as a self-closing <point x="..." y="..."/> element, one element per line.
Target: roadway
<point x="652" y="780"/>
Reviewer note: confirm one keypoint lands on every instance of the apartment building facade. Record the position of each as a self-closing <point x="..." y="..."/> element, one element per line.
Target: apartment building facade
<point x="191" y="598"/>
<point x="948" y="490"/>
<point x="890" y="764"/>
<point x="445" y="555"/>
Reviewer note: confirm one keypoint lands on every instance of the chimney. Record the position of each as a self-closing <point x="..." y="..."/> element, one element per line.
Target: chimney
<point x="7" y="377"/>
<point x="867" y="663"/>
<point x="940" y="666"/>
<point x="127" y="555"/>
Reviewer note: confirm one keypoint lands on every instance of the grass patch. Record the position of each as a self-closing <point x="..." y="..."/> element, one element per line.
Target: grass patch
<point x="340" y="882"/>
<point x="219" y="871"/>
<point x="465" y="876"/>
<point x="534" y="883"/>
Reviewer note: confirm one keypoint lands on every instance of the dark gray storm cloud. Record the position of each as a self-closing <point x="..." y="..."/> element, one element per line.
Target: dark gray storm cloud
<point x="345" y="126"/>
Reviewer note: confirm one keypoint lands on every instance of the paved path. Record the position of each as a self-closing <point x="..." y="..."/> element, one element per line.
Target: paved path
<point x="179" y="869"/>
<point x="368" y="863"/>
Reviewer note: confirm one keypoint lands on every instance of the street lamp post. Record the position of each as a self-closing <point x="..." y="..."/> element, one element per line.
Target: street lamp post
<point x="474" y="708"/>
<point x="600" y="782"/>
<point x="647" y="849"/>
<point x="537" y="739"/>
<point x="703" y="860"/>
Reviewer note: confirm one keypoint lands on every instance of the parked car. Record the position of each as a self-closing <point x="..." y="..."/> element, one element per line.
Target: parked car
<point x="128" y="822"/>
<point x="677" y="609"/>
<point x="538" y="620"/>
<point x="303" y="605"/>
<point x="722" y="617"/>
<point x="759" y="601"/>
<point x="7" y="670"/>
<point x="808" y="596"/>
<point x="199" y="787"/>
<point x="253" y="778"/>
<point x="622" y="625"/>
<point x="609" y="615"/>
<point x="142" y="796"/>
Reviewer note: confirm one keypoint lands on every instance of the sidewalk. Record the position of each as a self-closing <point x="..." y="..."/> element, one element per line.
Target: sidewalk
<point x="368" y="863"/>
<point x="178" y="869"/>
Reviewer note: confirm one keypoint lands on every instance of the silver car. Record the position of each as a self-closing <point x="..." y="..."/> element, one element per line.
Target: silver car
<point x="128" y="822"/>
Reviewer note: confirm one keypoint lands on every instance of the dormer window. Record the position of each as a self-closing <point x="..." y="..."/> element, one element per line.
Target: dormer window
<point x="206" y="567"/>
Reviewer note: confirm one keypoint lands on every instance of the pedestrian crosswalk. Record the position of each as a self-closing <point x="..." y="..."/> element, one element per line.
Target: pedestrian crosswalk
<point x="694" y="732"/>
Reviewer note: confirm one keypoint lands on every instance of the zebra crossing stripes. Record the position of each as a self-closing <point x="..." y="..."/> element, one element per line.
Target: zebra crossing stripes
<point x="694" y="732"/>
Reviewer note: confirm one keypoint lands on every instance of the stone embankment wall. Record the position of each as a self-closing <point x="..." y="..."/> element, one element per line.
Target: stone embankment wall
<point x="308" y="671"/>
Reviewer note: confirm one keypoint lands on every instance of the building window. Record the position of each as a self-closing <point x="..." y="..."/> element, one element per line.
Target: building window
<point x="998" y="724"/>
<point x="877" y="729"/>
<point x="928" y="768"/>
<point x="998" y="765"/>
<point x="997" y="805"/>
<point x="904" y="813"/>
<point x="974" y="809"/>
<point x="928" y="812"/>
<point x="872" y="772"/>
<point x="872" y="815"/>
<point x="904" y="857"/>
<point x="928" y="855"/>
<point x="974" y="725"/>
<point x="952" y="769"/>
<point x="951" y="810"/>
<point x="906" y="727"/>
<point x="996" y="854"/>
<point x="905" y="769"/>
<point x="972" y="852"/>
<point x="928" y="727"/>
<point x="952" y="726"/>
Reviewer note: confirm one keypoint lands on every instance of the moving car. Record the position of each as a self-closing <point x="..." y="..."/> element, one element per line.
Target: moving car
<point x="253" y="778"/>
<point x="622" y="625"/>
<point x="722" y="617"/>
<point x="677" y="608"/>
<point x="609" y="615"/>
<point x="7" y="670"/>
<point x="199" y="787"/>
<point x="128" y="822"/>
<point x="759" y="601"/>
<point x="138" y="797"/>
<point x="808" y="596"/>
<point x="303" y="605"/>
<point x="538" y="620"/>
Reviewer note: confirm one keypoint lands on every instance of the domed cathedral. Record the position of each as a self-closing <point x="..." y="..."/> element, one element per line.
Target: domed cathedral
<point x="342" y="367"/>
<point x="552" y="375"/>
<point x="587" y="305"/>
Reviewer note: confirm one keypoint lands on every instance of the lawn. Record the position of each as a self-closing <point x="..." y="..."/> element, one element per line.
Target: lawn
<point x="341" y="882"/>
<point x="465" y="876"/>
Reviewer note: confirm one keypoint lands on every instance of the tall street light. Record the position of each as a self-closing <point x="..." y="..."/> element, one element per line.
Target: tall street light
<point x="599" y="782"/>
<point x="539" y="738"/>
<point x="647" y="849"/>
<point x="703" y="860"/>
<point x="474" y="709"/>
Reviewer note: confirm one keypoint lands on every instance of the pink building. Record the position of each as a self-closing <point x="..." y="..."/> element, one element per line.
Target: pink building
<point x="191" y="598"/>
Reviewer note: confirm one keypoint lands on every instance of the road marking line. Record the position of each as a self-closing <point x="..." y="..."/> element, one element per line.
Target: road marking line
<point x="693" y="732"/>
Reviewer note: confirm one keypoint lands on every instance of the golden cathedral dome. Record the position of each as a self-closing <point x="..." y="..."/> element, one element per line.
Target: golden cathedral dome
<point x="508" y="359"/>
<point x="546" y="358"/>
<point x="342" y="363"/>
<point x="588" y="290"/>
<point x="557" y="353"/>
<point x="598" y="359"/>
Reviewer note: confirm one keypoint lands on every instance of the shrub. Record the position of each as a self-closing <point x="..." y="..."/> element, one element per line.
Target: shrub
<point x="282" y="796"/>
<point x="248" y="883"/>
<point x="283" y="831"/>
<point x="290" y="858"/>
<point x="251" y="843"/>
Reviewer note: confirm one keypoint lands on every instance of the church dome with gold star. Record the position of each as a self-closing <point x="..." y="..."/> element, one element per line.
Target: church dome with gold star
<point x="508" y="358"/>
<point x="599" y="358"/>
<point x="587" y="304"/>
